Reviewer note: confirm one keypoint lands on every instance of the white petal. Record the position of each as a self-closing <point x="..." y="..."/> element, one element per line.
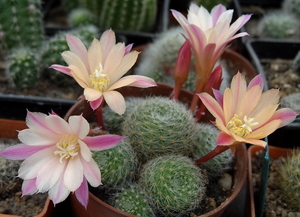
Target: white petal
<point x="58" y="192"/>
<point x="58" y="125"/>
<point x="73" y="176"/>
<point x="85" y="151"/>
<point x="29" y="137"/>
<point x="79" y="126"/>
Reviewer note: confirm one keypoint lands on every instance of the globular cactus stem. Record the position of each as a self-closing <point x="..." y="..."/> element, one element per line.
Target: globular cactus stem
<point x="292" y="6"/>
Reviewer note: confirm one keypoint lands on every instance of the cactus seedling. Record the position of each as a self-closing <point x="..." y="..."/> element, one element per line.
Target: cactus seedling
<point x="173" y="183"/>
<point x="159" y="126"/>
<point x="134" y="201"/>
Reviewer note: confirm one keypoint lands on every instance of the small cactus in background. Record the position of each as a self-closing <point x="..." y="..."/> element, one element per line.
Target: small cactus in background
<point x="296" y="63"/>
<point x="174" y="184"/>
<point x="160" y="126"/>
<point x="279" y="25"/>
<point x="23" y="68"/>
<point x="130" y="15"/>
<point x="118" y="165"/>
<point x="158" y="60"/>
<point x="21" y="24"/>
<point x="292" y="6"/>
<point x="215" y="167"/>
<point x="289" y="171"/>
<point x="80" y="17"/>
<point x="291" y="101"/>
<point x="134" y="201"/>
<point x="209" y="4"/>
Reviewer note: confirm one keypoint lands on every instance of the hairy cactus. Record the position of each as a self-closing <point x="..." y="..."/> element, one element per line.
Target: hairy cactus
<point x="160" y="126"/>
<point x="80" y="17"/>
<point x="21" y="23"/>
<point x="289" y="171"/>
<point x="134" y="201"/>
<point x="291" y="101"/>
<point x="118" y="165"/>
<point x="279" y="25"/>
<point x="173" y="183"/>
<point x="158" y="60"/>
<point x="292" y="6"/>
<point x="23" y="68"/>
<point x="130" y="15"/>
<point x="215" y="167"/>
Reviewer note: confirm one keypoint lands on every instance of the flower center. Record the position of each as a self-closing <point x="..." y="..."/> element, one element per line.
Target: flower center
<point x="240" y="127"/>
<point x="99" y="79"/>
<point x="67" y="147"/>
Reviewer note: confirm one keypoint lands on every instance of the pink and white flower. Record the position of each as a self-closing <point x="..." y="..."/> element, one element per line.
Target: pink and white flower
<point x="246" y="114"/>
<point x="208" y="34"/>
<point x="99" y="69"/>
<point x="58" y="156"/>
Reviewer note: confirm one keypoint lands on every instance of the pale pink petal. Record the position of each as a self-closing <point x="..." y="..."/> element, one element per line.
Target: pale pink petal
<point x="76" y="74"/>
<point x="113" y="61"/>
<point x="265" y="130"/>
<point x="82" y="193"/>
<point x="92" y="172"/>
<point x="180" y="18"/>
<point x="63" y="69"/>
<point x="36" y="122"/>
<point x="238" y="87"/>
<point x="94" y="55"/>
<point x="239" y="23"/>
<point x="257" y="80"/>
<point x="142" y="81"/>
<point x="79" y="126"/>
<point x="96" y="103"/>
<point x="115" y="101"/>
<point x="107" y="41"/>
<point x="128" y="48"/>
<point x="246" y="106"/>
<point x="212" y="105"/>
<point x="58" y="192"/>
<point x="47" y="176"/>
<point x="73" y="176"/>
<point x="224" y="139"/>
<point x="256" y="142"/>
<point x="32" y="165"/>
<point x="286" y="115"/>
<point x="99" y="143"/>
<point x="29" y="187"/>
<point x="30" y="137"/>
<point x="91" y="94"/>
<point x="20" y="151"/>
<point x="58" y="125"/>
<point x="219" y="96"/>
<point x="216" y="12"/>
<point x="264" y="115"/>
<point x="228" y="105"/>
<point x="77" y="47"/>
<point x="85" y="151"/>
<point x="220" y="125"/>
<point x="125" y="81"/>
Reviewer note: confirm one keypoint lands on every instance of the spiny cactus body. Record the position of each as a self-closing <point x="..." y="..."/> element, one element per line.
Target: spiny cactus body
<point x="279" y="25"/>
<point x="209" y="4"/>
<point x="207" y="134"/>
<point x="173" y="183"/>
<point x="134" y="201"/>
<point x="80" y="17"/>
<point x="130" y="15"/>
<point x="21" y="24"/>
<point x="160" y="126"/>
<point x="23" y="68"/>
<point x="289" y="181"/>
<point x="292" y="6"/>
<point x="118" y="165"/>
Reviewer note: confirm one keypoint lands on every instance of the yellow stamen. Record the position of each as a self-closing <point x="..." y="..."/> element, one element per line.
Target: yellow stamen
<point x="67" y="147"/>
<point x="100" y="80"/>
<point x="239" y="127"/>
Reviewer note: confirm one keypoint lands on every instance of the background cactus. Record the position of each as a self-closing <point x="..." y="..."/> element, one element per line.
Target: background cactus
<point x="131" y="15"/>
<point x="21" y="24"/>
<point x="291" y="101"/>
<point x="160" y="126"/>
<point x="23" y="68"/>
<point x="173" y="183"/>
<point x="209" y="4"/>
<point x="118" y="165"/>
<point x="134" y="201"/>
<point x="215" y="167"/>
<point x="279" y="25"/>
<point x="80" y="17"/>
<point x="289" y="171"/>
<point x="296" y="63"/>
<point x="292" y="6"/>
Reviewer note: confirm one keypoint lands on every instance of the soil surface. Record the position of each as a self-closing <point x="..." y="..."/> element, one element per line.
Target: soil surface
<point x="274" y="206"/>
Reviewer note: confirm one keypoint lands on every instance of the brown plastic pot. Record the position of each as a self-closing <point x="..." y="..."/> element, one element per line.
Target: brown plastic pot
<point x="97" y="207"/>
<point x="9" y="129"/>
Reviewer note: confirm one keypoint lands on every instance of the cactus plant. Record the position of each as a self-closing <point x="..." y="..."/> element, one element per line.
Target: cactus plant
<point x="160" y="126"/>
<point x="291" y="101"/>
<point x="23" y="68"/>
<point x="209" y="4"/>
<point x="134" y="201"/>
<point x="289" y="171"/>
<point x="215" y="167"/>
<point x="292" y="6"/>
<point x="174" y="184"/>
<point x="80" y="17"/>
<point x="296" y="63"/>
<point x="118" y="165"/>
<point x="130" y="15"/>
<point x="158" y="60"/>
<point x="21" y="23"/>
<point x="279" y="25"/>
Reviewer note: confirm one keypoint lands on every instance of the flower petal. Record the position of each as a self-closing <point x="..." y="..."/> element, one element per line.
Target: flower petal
<point x="125" y="81"/>
<point x="29" y="137"/>
<point x="96" y="103"/>
<point x="85" y="151"/>
<point x="103" y="142"/>
<point x="92" y="173"/>
<point x="91" y="94"/>
<point x="286" y="115"/>
<point x="79" y="126"/>
<point x="58" y="125"/>
<point x="20" y="151"/>
<point x="58" y="192"/>
<point x="73" y="176"/>
<point x="29" y="187"/>
<point x="63" y="69"/>
<point x="224" y="139"/>
<point x="107" y="41"/>
<point x="94" y="55"/>
<point x="82" y="193"/>
<point x="115" y="101"/>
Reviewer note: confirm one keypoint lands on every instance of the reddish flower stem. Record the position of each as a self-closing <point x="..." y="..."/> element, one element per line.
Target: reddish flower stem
<point x="99" y="115"/>
<point x="218" y="150"/>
